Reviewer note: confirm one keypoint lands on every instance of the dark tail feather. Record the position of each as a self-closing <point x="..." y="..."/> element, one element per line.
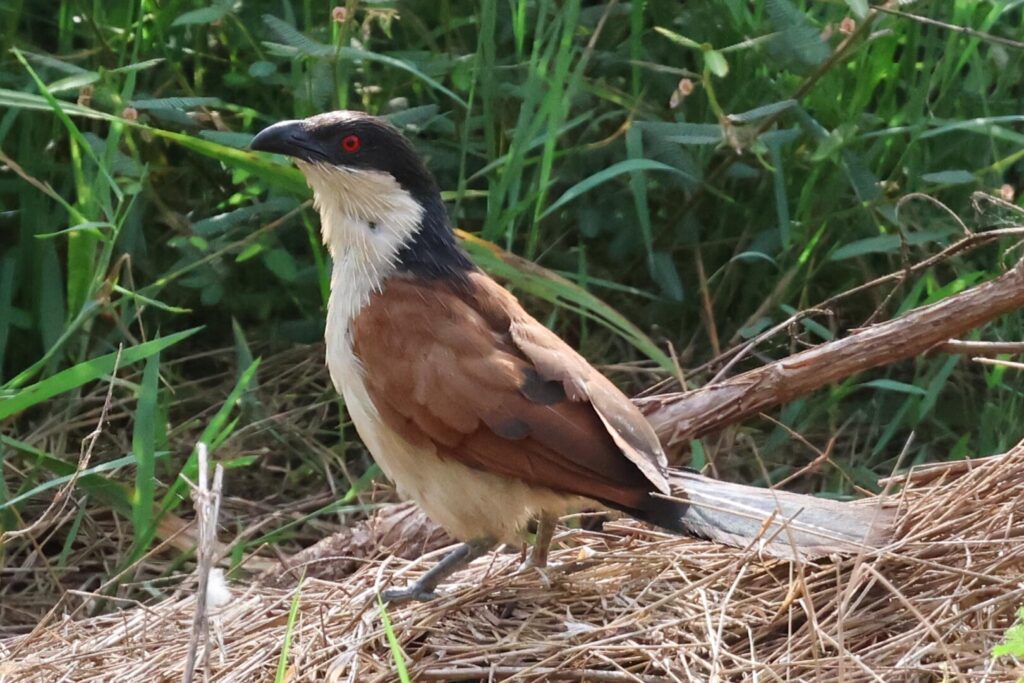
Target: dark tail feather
<point x="779" y="523"/>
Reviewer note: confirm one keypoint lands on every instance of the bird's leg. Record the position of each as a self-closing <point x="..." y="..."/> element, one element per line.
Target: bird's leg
<point x="423" y="589"/>
<point x="538" y="557"/>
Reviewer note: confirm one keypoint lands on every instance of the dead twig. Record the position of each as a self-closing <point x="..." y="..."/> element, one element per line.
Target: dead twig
<point x="207" y="503"/>
<point x="981" y="348"/>
<point x="1001" y="363"/>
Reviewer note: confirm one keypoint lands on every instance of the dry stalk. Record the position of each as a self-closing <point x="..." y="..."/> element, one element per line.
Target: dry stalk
<point x="207" y="504"/>
<point x="625" y="604"/>
<point x="981" y="348"/>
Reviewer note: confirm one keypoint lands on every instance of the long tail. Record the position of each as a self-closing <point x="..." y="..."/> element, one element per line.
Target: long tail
<point x="779" y="523"/>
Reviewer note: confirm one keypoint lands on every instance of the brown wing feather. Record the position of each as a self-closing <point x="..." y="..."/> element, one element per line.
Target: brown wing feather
<point x="475" y="375"/>
<point x="556" y="360"/>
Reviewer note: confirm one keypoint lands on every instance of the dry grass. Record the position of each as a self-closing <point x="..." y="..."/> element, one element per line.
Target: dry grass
<point x="627" y="604"/>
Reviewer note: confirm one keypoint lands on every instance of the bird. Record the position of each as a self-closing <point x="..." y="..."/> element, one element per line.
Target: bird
<point x="479" y="413"/>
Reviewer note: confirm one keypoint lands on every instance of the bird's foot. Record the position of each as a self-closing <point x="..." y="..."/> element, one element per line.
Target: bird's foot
<point x="533" y="562"/>
<point x="411" y="592"/>
<point x="544" y="569"/>
<point x="423" y="590"/>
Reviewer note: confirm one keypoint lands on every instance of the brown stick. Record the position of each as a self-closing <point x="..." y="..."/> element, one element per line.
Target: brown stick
<point x="681" y="416"/>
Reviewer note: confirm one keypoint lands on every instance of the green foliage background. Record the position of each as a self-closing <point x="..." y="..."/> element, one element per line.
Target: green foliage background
<point x="130" y="210"/>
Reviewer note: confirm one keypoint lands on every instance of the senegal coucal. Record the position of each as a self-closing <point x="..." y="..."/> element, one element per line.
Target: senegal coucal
<point x="475" y="410"/>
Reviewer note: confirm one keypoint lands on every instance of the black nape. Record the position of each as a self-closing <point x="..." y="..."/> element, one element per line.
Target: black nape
<point x="434" y="253"/>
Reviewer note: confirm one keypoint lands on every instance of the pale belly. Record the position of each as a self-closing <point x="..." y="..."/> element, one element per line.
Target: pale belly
<point x="466" y="502"/>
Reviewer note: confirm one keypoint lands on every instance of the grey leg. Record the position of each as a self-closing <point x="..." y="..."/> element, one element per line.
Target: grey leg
<point x="423" y="589"/>
<point x="538" y="557"/>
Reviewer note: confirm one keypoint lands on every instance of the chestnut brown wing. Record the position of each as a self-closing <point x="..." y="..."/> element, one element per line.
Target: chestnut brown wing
<point x="468" y="371"/>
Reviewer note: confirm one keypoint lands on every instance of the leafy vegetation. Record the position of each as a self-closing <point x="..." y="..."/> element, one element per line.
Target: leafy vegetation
<point x="686" y="174"/>
<point x="1013" y="642"/>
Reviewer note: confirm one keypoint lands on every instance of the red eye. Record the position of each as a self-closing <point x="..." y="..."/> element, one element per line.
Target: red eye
<point x="351" y="143"/>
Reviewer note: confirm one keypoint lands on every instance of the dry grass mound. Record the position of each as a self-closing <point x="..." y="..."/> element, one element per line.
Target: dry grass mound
<point x="626" y="604"/>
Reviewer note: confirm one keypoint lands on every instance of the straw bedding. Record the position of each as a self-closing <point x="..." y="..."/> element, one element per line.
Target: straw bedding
<point x="626" y="604"/>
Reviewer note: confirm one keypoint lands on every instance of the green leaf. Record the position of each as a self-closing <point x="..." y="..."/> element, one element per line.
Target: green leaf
<point x="262" y="69"/>
<point x="88" y="480"/>
<point x="144" y="439"/>
<point x="295" y="39"/>
<point x="763" y="112"/>
<point x="74" y="82"/>
<point x="227" y="138"/>
<point x="281" y="263"/>
<point x="798" y="37"/>
<point x="638" y="187"/>
<point x="952" y="177"/>
<point x="57" y="108"/>
<point x="893" y="385"/>
<point x="685" y="133"/>
<point x="302" y="44"/>
<point x="663" y="269"/>
<point x="148" y="301"/>
<point x="678" y="39"/>
<point x="627" y="166"/>
<point x="717" y="63"/>
<point x="881" y="244"/>
<point x="138" y="66"/>
<point x="746" y="256"/>
<point x="203" y="15"/>
<point x="293" y="614"/>
<point x="279" y="175"/>
<point x="51" y="62"/>
<point x="858" y="7"/>
<point x="810" y="324"/>
<point x="393" y="644"/>
<point x="250" y="251"/>
<point x="937" y="383"/>
<point x="176" y="103"/>
<point x="1013" y="641"/>
<point x="884" y="244"/>
<point x="84" y="372"/>
<point x="215" y="226"/>
<point x="217" y="429"/>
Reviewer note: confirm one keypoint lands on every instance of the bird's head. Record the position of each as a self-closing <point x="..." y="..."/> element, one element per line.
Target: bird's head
<point x="353" y="143"/>
<point x="372" y="189"/>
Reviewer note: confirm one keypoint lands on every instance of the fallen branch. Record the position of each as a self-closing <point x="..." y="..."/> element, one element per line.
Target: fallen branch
<point x="681" y="416"/>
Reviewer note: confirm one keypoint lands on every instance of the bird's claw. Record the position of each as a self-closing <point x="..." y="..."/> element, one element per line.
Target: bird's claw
<point x="531" y="563"/>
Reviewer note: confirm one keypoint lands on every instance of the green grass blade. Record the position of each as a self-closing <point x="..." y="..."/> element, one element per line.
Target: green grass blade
<point x="84" y="372"/>
<point x="72" y="129"/>
<point x="603" y="176"/>
<point x="276" y="175"/>
<point x="144" y="439"/>
<point x="396" y="648"/>
<point x="217" y="429"/>
<point x="88" y="480"/>
<point x="286" y="646"/>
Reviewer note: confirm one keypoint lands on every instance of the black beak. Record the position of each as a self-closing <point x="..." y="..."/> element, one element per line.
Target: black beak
<point x="289" y="138"/>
